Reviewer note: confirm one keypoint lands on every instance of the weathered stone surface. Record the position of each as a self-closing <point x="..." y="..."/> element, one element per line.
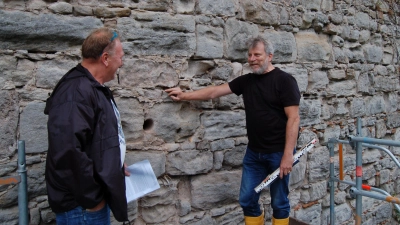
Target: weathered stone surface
<point x="209" y="42"/>
<point x="105" y="12"/>
<point x="310" y="215"/>
<point x="157" y="160"/>
<point x="151" y="28"/>
<point x="184" y="6"/>
<point x="342" y="55"/>
<point x="260" y="12"/>
<point x="173" y="122"/>
<point x="312" y="47"/>
<point x="49" y="72"/>
<point x="9" y="215"/>
<point x="219" y="125"/>
<point x="189" y="162"/>
<point x="61" y="8"/>
<point x="235" y="156"/>
<point x="8" y="123"/>
<point x="317" y="80"/>
<point x="222" y="144"/>
<point x="45" y="32"/>
<point x="318" y="162"/>
<point x="284" y="45"/>
<point x="33" y="127"/>
<point x="132" y="118"/>
<point x="214" y="191"/>
<point x="219" y="8"/>
<point x="136" y="73"/>
<point x="237" y="33"/>
<point x="343" y="88"/>
<point x="373" y="54"/>
<point x="310" y="112"/>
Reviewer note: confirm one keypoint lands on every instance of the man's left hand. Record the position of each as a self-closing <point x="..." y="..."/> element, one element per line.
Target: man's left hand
<point x="286" y="165"/>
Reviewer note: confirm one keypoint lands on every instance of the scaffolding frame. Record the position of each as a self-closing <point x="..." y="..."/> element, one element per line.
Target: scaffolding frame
<point x="358" y="189"/>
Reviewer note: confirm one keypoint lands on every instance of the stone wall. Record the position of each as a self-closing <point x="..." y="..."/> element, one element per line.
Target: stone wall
<point x="344" y="55"/>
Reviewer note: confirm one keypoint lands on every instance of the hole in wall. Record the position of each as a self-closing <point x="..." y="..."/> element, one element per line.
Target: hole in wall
<point x="148" y="124"/>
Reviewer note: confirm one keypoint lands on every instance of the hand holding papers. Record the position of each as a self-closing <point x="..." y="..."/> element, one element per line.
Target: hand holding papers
<point x="141" y="181"/>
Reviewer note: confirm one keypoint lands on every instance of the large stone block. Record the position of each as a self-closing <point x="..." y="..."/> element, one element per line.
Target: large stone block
<point x="237" y="34"/>
<point x="33" y="127"/>
<point x="312" y="47"/>
<point x="375" y="105"/>
<point x="147" y="74"/>
<point x="132" y="118"/>
<point x="310" y="112"/>
<point x="155" y="33"/>
<point x="9" y="114"/>
<point x="173" y="122"/>
<point x="342" y="88"/>
<point x="234" y="157"/>
<point x="318" y="164"/>
<point x="218" y="8"/>
<point x="157" y="160"/>
<point x="189" y="162"/>
<point x="49" y="72"/>
<point x="318" y="80"/>
<point x="284" y="45"/>
<point x="260" y="12"/>
<point x="223" y="124"/>
<point x="310" y="215"/>
<point x="386" y="84"/>
<point x="44" y="32"/>
<point x="372" y="53"/>
<point x="216" y="190"/>
<point x="209" y="42"/>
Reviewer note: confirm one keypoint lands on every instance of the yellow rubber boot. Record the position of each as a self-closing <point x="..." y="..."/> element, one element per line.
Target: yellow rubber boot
<point x="254" y="220"/>
<point x="280" y="221"/>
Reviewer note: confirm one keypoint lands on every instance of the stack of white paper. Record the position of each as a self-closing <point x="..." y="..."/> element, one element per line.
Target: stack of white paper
<point x="141" y="181"/>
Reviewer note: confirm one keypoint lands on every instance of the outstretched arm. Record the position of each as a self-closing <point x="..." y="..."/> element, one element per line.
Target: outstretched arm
<point x="202" y="94"/>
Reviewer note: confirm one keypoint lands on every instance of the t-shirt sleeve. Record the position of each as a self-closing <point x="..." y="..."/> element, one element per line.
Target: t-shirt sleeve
<point x="290" y="93"/>
<point x="237" y="85"/>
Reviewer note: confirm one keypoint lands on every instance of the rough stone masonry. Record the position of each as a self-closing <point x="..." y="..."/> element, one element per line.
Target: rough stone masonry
<point x="343" y="53"/>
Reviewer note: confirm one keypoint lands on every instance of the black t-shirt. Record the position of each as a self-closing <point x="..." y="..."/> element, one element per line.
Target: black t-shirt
<point x="265" y="97"/>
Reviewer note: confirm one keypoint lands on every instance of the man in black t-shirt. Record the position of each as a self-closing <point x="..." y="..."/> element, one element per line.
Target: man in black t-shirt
<point x="271" y="99"/>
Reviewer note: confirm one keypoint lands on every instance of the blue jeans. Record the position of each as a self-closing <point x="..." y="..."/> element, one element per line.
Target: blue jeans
<point x="80" y="216"/>
<point x="256" y="167"/>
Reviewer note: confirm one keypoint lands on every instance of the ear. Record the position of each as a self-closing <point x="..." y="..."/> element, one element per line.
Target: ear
<point x="104" y="58"/>
<point x="270" y="57"/>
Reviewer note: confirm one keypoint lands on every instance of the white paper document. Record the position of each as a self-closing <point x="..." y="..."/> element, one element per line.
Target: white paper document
<point x="141" y="181"/>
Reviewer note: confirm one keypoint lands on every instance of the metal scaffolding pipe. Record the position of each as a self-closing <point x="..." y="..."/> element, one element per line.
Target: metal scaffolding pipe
<point x="385" y="150"/>
<point x="373" y="141"/>
<point x="358" y="175"/>
<point x="22" y="187"/>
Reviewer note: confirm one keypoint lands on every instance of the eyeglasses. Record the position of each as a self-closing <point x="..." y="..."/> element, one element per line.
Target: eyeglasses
<point x="115" y="35"/>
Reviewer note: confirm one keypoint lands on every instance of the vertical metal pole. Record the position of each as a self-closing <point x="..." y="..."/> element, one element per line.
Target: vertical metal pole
<point x="331" y="182"/>
<point x="22" y="186"/>
<point x="358" y="174"/>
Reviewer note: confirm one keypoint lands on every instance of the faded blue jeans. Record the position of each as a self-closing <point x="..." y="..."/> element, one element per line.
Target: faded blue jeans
<point x="256" y="167"/>
<point x="80" y="216"/>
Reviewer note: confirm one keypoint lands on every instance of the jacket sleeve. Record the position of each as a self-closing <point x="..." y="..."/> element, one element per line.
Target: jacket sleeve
<point x="70" y="127"/>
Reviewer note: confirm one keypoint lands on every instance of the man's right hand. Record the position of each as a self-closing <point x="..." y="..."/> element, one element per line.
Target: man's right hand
<point x="98" y="206"/>
<point x="175" y="93"/>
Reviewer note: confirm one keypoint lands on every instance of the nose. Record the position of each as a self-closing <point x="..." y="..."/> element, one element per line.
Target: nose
<point x="251" y="58"/>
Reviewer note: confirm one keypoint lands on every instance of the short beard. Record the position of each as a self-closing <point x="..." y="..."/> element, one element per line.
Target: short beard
<point x="262" y="69"/>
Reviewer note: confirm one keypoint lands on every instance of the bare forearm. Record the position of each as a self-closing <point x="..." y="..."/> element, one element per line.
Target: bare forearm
<point x="202" y="94"/>
<point x="292" y="129"/>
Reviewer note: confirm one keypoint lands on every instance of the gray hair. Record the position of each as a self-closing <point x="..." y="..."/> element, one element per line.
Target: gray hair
<point x="268" y="48"/>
